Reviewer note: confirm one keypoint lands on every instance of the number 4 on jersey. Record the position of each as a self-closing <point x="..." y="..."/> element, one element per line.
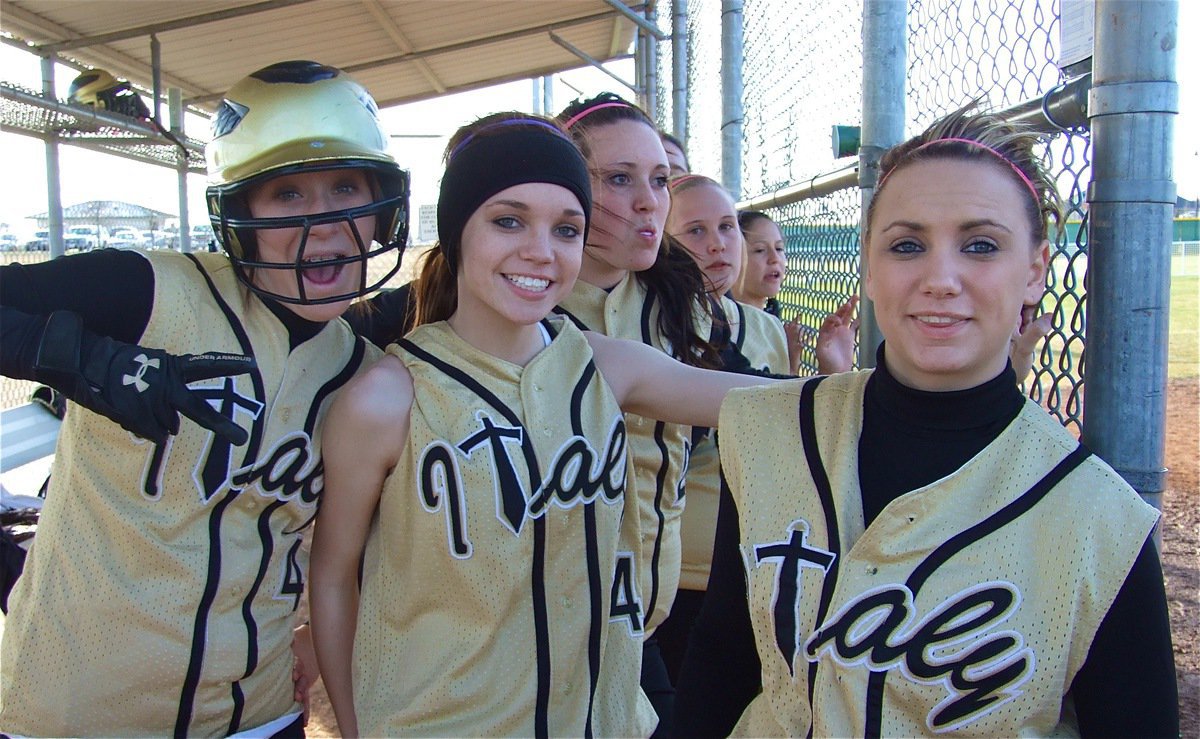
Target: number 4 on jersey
<point x="626" y="604"/>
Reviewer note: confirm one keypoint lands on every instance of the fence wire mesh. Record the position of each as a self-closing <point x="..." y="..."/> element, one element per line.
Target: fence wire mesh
<point x="1002" y="52"/>
<point x="802" y="74"/>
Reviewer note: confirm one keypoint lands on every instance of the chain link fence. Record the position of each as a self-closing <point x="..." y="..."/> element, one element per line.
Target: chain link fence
<point x="1004" y="52"/>
<point x="802" y="75"/>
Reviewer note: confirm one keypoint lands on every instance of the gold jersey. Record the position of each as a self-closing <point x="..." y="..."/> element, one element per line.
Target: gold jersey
<point x="160" y="592"/>
<point x="658" y="451"/>
<point x="968" y="605"/>
<point x="499" y="593"/>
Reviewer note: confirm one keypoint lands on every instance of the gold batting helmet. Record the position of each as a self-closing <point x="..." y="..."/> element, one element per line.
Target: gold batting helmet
<point x="301" y="116"/>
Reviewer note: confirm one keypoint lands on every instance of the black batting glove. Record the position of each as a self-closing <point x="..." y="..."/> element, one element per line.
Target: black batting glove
<point x="144" y="390"/>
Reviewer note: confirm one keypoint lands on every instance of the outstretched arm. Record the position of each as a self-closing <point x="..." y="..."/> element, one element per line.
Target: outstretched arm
<point x="143" y="389"/>
<point x="374" y="406"/>
<point x="649" y="383"/>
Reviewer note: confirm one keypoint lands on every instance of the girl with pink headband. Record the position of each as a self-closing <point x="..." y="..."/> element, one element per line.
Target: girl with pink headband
<point x="919" y="549"/>
<point x="634" y="284"/>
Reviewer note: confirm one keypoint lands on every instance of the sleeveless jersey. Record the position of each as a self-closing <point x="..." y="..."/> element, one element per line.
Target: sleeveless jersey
<point x="759" y="337"/>
<point x="498" y="595"/>
<point x="966" y="608"/>
<point x="159" y="595"/>
<point x="658" y="451"/>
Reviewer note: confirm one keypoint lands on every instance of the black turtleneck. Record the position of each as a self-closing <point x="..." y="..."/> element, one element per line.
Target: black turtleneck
<point x="113" y="292"/>
<point x="910" y="438"/>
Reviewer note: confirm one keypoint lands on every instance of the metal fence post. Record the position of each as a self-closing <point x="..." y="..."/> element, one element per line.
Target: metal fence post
<point x="1132" y="105"/>
<point x="175" y="107"/>
<point x="54" y="214"/>
<point x="731" y="97"/>
<point x="884" y="36"/>
<point x="651" y="82"/>
<point x="679" y="71"/>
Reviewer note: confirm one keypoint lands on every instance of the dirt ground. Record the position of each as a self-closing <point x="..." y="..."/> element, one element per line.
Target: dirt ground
<point x="1181" y="543"/>
<point x="1180" y="556"/>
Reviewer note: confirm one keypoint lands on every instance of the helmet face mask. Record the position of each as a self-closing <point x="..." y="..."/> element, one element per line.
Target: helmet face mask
<point x="292" y="118"/>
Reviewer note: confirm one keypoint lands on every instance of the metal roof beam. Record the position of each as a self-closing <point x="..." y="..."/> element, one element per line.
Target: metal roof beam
<point x="449" y="48"/>
<point x="187" y="22"/>
<point x="118" y="63"/>
<point x="393" y="31"/>
<point x="590" y="60"/>
<point x="638" y="20"/>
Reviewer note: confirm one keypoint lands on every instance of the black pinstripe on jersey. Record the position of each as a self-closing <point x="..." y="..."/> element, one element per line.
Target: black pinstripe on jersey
<point x="808" y="435"/>
<point x="191" y="682"/>
<point x="597" y="620"/>
<point x="939" y="556"/>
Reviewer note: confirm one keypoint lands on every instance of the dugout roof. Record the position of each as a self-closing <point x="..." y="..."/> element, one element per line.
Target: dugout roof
<point x="401" y="50"/>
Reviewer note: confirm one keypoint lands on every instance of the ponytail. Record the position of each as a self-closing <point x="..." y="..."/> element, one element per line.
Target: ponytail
<point x="437" y="289"/>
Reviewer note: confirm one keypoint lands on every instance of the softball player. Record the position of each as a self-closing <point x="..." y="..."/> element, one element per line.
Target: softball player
<point x="703" y="220"/>
<point x="635" y="285"/>
<point x="490" y="513"/>
<point x="159" y="597"/>
<point x="929" y="552"/>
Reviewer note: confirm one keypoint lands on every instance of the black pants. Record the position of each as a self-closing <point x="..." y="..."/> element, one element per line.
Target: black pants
<point x="657" y="687"/>
<point x="673" y="633"/>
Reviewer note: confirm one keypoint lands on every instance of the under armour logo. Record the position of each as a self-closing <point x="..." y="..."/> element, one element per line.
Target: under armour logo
<point x="136" y="380"/>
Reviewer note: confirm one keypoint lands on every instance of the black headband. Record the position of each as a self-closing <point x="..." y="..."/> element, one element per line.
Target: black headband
<point x="489" y="164"/>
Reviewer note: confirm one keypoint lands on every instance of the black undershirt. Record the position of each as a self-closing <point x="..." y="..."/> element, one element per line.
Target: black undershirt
<point x="112" y="289"/>
<point x="910" y="438"/>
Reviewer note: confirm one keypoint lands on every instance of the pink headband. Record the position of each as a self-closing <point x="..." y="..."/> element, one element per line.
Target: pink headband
<point x="675" y="182"/>
<point x="587" y="111"/>
<point x="985" y="147"/>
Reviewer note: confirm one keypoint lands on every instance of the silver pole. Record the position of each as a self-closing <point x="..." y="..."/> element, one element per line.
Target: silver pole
<point x="54" y="214"/>
<point x="548" y="95"/>
<point x="639" y="68"/>
<point x="175" y="105"/>
<point x="884" y="62"/>
<point x="1131" y="198"/>
<point x="536" y="95"/>
<point x="731" y="97"/>
<point x="679" y="71"/>
<point x="156" y="72"/>
<point x="652" y="65"/>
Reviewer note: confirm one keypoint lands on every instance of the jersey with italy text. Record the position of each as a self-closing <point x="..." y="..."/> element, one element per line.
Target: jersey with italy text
<point x="160" y="593"/>
<point x="658" y="451"/>
<point x="499" y="593"/>
<point x="968" y="605"/>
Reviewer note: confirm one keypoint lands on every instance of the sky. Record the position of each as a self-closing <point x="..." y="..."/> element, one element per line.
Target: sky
<point x="419" y="133"/>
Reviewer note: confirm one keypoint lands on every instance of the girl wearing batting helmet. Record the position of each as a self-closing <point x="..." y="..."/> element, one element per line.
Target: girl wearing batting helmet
<point x="161" y="594"/>
<point x="927" y="551"/>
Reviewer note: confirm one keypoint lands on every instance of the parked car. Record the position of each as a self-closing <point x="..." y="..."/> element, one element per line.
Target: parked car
<point x="202" y="237"/>
<point x="8" y="242"/>
<point x="39" y="242"/>
<point x="126" y="238"/>
<point x="85" y="238"/>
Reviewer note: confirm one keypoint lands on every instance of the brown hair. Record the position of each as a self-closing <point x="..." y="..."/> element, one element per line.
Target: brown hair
<point x="673" y="280"/>
<point x="437" y="283"/>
